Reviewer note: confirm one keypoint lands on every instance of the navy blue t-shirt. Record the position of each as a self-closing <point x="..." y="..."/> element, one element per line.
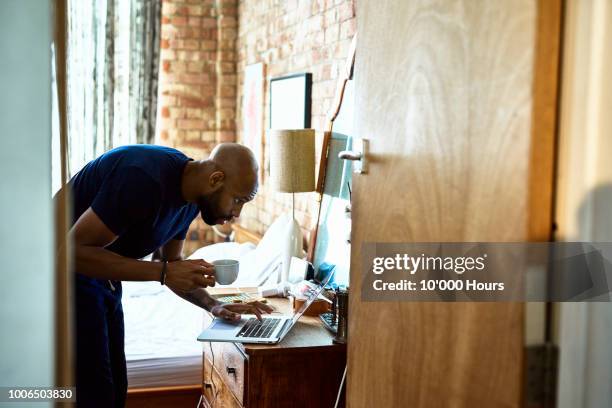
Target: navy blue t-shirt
<point x="136" y="192"/>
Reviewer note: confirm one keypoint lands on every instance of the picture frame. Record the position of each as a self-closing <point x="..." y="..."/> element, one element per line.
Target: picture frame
<point x="291" y="101"/>
<point x="253" y="111"/>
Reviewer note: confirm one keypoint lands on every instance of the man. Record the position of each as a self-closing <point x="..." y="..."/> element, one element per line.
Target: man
<point x="128" y="203"/>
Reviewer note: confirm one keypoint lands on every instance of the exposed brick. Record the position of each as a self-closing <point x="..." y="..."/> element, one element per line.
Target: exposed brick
<point x="165" y="65"/>
<point x="228" y="34"/>
<point x="167" y="54"/>
<point x="227" y="21"/>
<point x="208" y="136"/>
<point x="192" y="124"/>
<point x="196" y="66"/>
<point x="345" y="11"/>
<point x="315" y="23"/>
<point x="178" y="21"/>
<point x="208" y="45"/>
<point x="226" y="103"/>
<point x="317" y="6"/>
<point x="348" y="29"/>
<point x="168" y="8"/>
<point x="194" y="79"/>
<point x="195" y="10"/>
<point x="209" y="22"/>
<point x="331" y="34"/>
<point x="226" y="91"/>
<point x="194" y="22"/>
<point x="330" y="18"/>
<point x="225" y="136"/>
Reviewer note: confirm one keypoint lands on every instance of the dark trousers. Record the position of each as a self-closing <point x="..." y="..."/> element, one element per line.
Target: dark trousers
<point x="101" y="375"/>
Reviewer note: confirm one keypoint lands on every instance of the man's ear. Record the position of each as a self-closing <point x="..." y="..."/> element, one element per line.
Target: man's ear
<point x="216" y="179"/>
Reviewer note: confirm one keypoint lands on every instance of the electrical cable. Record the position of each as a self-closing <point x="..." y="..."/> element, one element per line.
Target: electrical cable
<point x="212" y="382"/>
<point x="221" y="234"/>
<point x="340" y="388"/>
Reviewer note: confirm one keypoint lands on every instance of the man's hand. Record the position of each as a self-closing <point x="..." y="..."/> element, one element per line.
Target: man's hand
<point x="232" y="311"/>
<point x="186" y="276"/>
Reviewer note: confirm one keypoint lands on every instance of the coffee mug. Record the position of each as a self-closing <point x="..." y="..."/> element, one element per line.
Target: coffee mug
<point x="226" y="271"/>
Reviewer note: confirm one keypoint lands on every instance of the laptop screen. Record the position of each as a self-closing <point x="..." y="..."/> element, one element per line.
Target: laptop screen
<point x="311" y="295"/>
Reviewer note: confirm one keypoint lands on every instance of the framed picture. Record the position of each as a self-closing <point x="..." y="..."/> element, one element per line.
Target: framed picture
<point x="252" y="110"/>
<point x="290" y="101"/>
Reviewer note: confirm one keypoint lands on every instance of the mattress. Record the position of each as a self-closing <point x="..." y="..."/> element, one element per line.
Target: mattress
<point x="160" y="336"/>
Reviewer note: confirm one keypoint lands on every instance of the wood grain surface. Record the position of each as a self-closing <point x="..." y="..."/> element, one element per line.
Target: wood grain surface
<point x="444" y="93"/>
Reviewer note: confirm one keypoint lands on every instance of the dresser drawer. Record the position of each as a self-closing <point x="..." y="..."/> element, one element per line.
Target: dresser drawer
<point x="231" y="365"/>
<point x="215" y="391"/>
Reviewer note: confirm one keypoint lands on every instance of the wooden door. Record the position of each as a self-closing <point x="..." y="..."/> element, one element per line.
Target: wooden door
<point x="458" y="100"/>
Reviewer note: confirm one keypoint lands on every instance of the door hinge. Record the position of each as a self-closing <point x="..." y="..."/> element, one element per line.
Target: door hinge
<point x="541" y="362"/>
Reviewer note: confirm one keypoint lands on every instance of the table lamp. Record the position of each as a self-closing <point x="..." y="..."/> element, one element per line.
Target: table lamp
<point x="292" y="170"/>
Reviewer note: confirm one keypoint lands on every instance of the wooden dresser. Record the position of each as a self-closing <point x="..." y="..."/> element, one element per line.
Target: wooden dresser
<point x="304" y="370"/>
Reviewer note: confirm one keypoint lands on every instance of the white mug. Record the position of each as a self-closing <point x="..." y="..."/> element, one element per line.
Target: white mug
<point x="226" y="271"/>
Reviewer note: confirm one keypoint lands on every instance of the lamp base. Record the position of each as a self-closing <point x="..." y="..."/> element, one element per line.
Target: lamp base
<point x="293" y="247"/>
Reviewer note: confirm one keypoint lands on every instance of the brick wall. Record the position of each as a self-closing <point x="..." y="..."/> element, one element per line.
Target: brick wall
<point x="292" y="36"/>
<point x="197" y="86"/>
<point x="206" y="45"/>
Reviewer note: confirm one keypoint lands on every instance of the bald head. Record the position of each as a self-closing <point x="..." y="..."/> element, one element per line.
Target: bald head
<point x="238" y="164"/>
<point x="234" y="160"/>
<point x="223" y="183"/>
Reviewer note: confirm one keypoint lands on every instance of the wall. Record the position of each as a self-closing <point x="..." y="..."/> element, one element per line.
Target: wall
<point x="206" y="46"/>
<point x="197" y="88"/>
<point x="584" y="197"/>
<point x="26" y="282"/>
<point x="291" y="37"/>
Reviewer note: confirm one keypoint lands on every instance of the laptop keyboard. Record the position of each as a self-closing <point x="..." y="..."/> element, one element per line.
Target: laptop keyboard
<point x="255" y="328"/>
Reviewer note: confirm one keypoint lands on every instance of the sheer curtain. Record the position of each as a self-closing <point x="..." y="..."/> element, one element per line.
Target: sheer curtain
<point x="112" y="74"/>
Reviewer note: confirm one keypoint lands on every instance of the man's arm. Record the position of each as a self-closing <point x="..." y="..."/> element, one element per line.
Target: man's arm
<point x="173" y="250"/>
<point x="90" y="236"/>
<point x="199" y="297"/>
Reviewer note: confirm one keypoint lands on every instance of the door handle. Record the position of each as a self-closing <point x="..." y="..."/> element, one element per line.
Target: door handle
<point x="358" y="155"/>
<point x="349" y="155"/>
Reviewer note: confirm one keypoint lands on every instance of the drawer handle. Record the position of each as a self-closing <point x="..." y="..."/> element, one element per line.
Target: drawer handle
<point x="231" y="370"/>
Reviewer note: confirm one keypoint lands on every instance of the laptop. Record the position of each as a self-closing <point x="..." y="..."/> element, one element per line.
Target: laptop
<point x="270" y="330"/>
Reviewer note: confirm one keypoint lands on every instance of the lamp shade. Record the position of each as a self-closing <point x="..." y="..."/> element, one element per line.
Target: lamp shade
<point x="292" y="160"/>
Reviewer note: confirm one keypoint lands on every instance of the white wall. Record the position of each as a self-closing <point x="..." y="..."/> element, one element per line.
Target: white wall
<point x="584" y="196"/>
<point x="26" y="230"/>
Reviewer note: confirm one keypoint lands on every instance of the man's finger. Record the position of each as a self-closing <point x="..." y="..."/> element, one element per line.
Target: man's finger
<point x="204" y="281"/>
<point x="261" y="306"/>
<point x="256" y="312"/>
<point x="201" y="262"/>
<point x="229" y="315"/>
<point x="203" y="270"/>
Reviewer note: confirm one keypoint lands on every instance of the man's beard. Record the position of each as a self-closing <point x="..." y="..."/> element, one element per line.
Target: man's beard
<point x="209" y="208"/>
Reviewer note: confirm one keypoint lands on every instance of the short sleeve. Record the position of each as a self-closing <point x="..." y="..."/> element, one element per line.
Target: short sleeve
<point x="127" y="196"/>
